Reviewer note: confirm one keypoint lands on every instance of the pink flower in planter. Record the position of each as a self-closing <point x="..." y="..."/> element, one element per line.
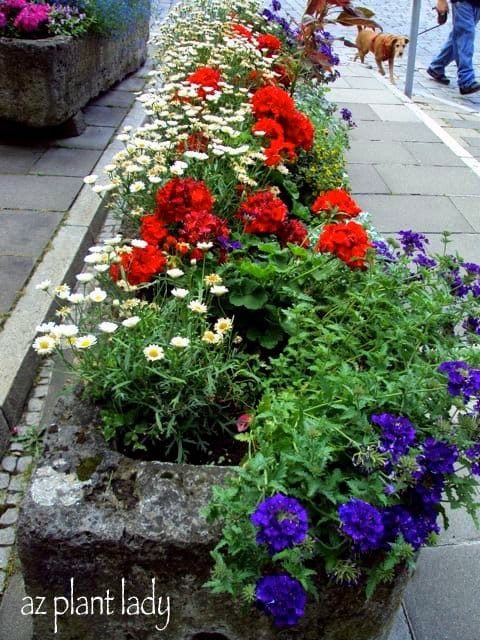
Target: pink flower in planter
<point x="3" y="20"/>
<point x="13" y="6"/>
<point x="32" y="17"/>
<point x="243" y="422"/>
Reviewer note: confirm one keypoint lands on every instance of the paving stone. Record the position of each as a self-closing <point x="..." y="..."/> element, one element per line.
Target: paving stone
<point x="9" y="464"/>
<point x="4" y="557"/>
<point x="17" y="159"/>
<point x="3" y="577"/>
<point x="444" y="588"/>
<point x="24" y="463"/>
<point x="358" y="82"/>
<point x="16" y="447"/>
<point x="26" y="233"/>
<point x="38" y="192"/>
<point x="421" y="213"/>
<point x="104" y="116"/>
<point x="40" y="391"/>
<point x="4" y="480"/>
<point x="359" y="111"/>
<point x="13" y="499"/>
<point x="17" y="484"/>
<point x="7" y="536"/>
<point x="15" y="272"/>
<point x="115" y="98"/>
<point x="363" y="96"/>
<point x="91" y="138"/>
<point x="424" y="180"/>
<point x="131" y="84"/>
<point x="465" y="244"/>
<point x="470" y="208"/>
<point x="9" y="517"/>
<point x="464" y="124"/>
<point x="14" y="625"/>
<point x="393" y="132"/>
<point x="378" y="152"/>
<point x="67" y="162"/>
<point x="433" y="153"/>
<point x="35" y="404"/>
<point x="365" y="179"/>
<point x="471" y="141"/>
<point x="395" y="113"/>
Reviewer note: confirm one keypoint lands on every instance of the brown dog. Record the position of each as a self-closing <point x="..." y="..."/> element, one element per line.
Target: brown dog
<point x="384" y="46"/>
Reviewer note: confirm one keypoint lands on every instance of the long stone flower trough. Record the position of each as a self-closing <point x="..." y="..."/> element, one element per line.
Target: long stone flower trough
<point x="117" y="548"/>
<point x="46" y="82"/>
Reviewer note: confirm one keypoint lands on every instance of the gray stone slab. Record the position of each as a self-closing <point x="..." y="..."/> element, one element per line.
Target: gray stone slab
<point x="442" y="598"/>
<point x="365" y="179"/>
<point x="421" y="213"/>
<point x="395" y="113"/>
<point x="67" y="162"/>
<point x="472" y="142"/>
<point x="15" y="272"/>
<point x="359" y="111"/>
<point x="17" y="159"/>
<point x="26" y="233"/>
<point x="38" y="192"/>
<point x="102" y="116"/>
<point x="469" y="207"/>
<point x="464" y="124"/>
<point x="422" y="180"/>
<point x="393" y="131"/>
<point x="461" y="528"/>
<point x="131" y="84"/>
<point x="467" y="245"/>
<point x="115" y="98"/>
<point x="7" y="537"/>
<point x="400" y="630"/>
<point x="363" y="96"/>
<point x="433" y="154"/>
<point x="4" y="557"/>
<point x="362" y="152"/>
<point x="367" y="82"/>
<point x="91" y="138"/>
<point x="13" y="625"/>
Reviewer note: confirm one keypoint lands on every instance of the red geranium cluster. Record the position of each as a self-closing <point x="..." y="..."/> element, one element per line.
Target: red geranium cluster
<point x="348" y="241"/>
<point x="263" y="212"/>
<point x="336" y="200"/>
<point x="179" y="196"/>
<point x="242" y="31"/>
<point x="285" y="127"/>
<point x="205" y="77"/>
<point x="269" y="42"/>
<point x="140" y="265"/>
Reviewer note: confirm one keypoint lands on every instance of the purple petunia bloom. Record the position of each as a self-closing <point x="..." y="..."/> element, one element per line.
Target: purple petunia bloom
<point x="363" y="523"/>
<point x="32" y="17"/>
<point x="282" y="597"/>
<point x="424" y="261"/>
<point x="473" y="454"/>
<point x="398" y="434"/>
<point x="456" y="379"/>
<point x="276" y="6"/>
<point x="472" y="324"/>
<point x="437" y="457"/>
<point x="3" y="20"/>
<point x="229" y="245"/>
<point x="282" y="521"/>
<point x="384" y="251"/>
<point x="412" y="241"/>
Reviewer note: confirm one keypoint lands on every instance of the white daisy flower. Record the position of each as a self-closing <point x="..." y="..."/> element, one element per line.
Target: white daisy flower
<point x="153" y="352"/>
<point x="101" y="268"/>
<point x="97" y="295"/>
<point x="85" y="342"/>
<point x="223" y="324"/>
<point x="179" y="342"/>
<point x="44" y="345"/>
<point x="197" y="306"/>
<point x="90" y="179"/>
<point x="45" y="327"/>
<point x="108" y="327"/>
<point x="218" y="290"/>
<point x="44" y="285"/>
<point x="175" y="273"/>
<point x="130" y="322"/>
<point x="76" y="298"/>
<point x="212" y="337"/>
<point x="84" y="277"/>
<point x="139" y="244"/>
<point x="62" y="291"/>
<point x="135" y="187"/>
<point x="204" y="246"/>
<point x="178" y="292"/>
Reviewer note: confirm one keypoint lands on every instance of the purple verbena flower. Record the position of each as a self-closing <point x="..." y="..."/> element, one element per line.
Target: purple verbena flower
<point x="363" y="523"/>
<point x="398" y="434"/>
<point x="424" y="261"/>
<point x="384" y="251"/>
<point x="456" y="379"/>
<point x="282" y="521"/>
<point x="229" y="245"/>
<point x="412" y="241"/>
<point x="437" y="457"/>
<point x="282" y="597"/>
<point x="276" y="6"/>
<point x="473" y="454"/>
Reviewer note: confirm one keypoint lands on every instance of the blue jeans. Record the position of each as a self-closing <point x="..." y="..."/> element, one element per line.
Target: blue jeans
<point x="460" y="43"/>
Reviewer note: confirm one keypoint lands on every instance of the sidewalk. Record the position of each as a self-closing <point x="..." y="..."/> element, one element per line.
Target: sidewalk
<point x="400" y="170"/>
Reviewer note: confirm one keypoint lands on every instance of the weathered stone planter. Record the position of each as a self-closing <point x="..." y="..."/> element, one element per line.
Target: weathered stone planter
<point x="45" y="82"/>
<point x="94" y="521"/>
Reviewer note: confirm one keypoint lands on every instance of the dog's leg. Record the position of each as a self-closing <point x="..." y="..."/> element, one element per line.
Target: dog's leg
<point x="380" y="66"/>
<point x="390" y="69"/>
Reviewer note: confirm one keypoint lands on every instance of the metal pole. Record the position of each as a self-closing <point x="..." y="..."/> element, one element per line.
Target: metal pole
<point x="412" y="47"/>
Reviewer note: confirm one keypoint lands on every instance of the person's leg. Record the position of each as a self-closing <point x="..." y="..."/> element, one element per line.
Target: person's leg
<point x="444" y="57"/>
<point x="464" y="20"/>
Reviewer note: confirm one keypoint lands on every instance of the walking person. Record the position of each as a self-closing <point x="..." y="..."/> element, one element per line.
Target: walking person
<point x="459" y="45"/>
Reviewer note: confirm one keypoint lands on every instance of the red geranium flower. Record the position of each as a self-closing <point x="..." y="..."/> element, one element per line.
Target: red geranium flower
<point x="203" y="226"/>
<point x="348" y="241"/>
<point x="336" y="199"/>
<point x="242" y="31"/>
<point x="179" y="196"/>
<point x="299" y="130"/>
<point x="140" y="266"/>
<point x="263" y="212"/>
<point x="272" y="102"/>
<point x="267" y="41"/>
<point x="152" y="230"/>
<point x="205" y="77"/>
<point x="294" y="232"/>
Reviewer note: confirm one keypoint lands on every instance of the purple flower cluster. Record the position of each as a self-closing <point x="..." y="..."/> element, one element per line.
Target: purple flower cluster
<point x="282" y="521"/>
<point x="282" y="597"/>
<point x="412" y="242"/>
<point x="347" y="115"/>
<point x="32" y="17"/>
<point x="464" y="278"/>
<point x="384" y="251"/>
<point x="290" y="32"/>
<point x="437" y="457"/>
<point x="363" y="523"/>
<point x="472" y="324"/>
<point x="398" y="435"/>
<point x="473" y="454"/>
<point x="462" y="380"/>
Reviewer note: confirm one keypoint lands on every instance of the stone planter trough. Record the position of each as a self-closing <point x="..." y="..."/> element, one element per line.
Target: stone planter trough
<point x="102" y="538"/>
<point x="44" y="83"/>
